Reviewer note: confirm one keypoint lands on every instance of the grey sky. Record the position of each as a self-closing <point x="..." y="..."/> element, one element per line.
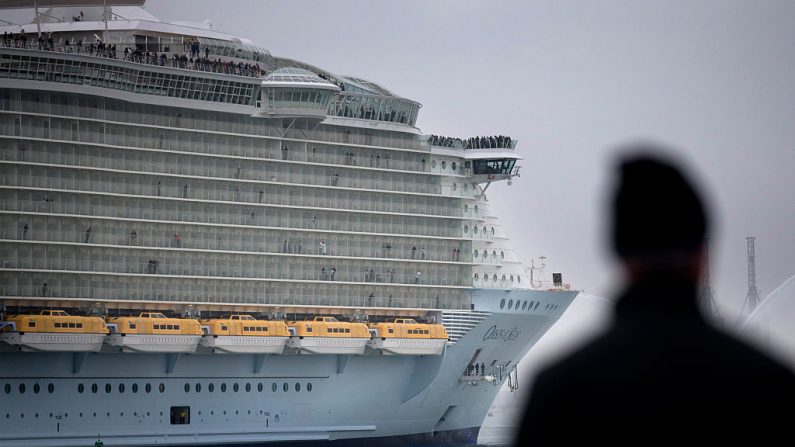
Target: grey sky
<point x="571" y="80"/>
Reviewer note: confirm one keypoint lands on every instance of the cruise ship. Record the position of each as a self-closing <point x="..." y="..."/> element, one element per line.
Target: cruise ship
<point x="206" y="244"/>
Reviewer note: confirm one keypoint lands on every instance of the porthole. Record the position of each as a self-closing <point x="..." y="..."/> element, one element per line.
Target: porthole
<point x="248" y="387"/>
<point x="455" y="187"/>
<point x="134" y="387"/>
<point x="80" y="388"/>
<point x="494" y="254"/>
<point x="308" y="387"/>
<point x="453" y="165"/>
<point x="484" y="230"/>
<point x="94" y="387"/>
<point x="494" y="277"/>
<point x="485" y="277"/>
<point x="148" y="388"/>
<point x="235" y="387"/>
<point x="21" y="388"/>
<point x="475" y="229"/>
<point x="502" y="303"/>
<point x="259" y="387"/>
<point x="223" y="387"/>
<point x="108" y="388"/>
<point x="444" y="164"/>
<point x="121" y="387"/>
<point x="524" y="304"/>
<point x="211" y="387"/>
<point x="510" y="304"/>
<point x="466" y="228"/>
<point x="273" y="387"/>
<point x="36" y="388"/>
<point x="297" y="386"/>
<point x="285" y="387"/>
<point x="504" y="278"/>
<point x="8" y="388"/>
<point x="198" y="387"/>
<point x="433" y="164"/>
<point x="476" y="208"/>
<point x="187" y="388"/>
<point x="511" y="278"/>
<point x="485" y="254"/>
<point x="502" y="255"/>
<point x="476" y="253"/>
<point x="162" y="388"/>
<point x="476" y="277"/>
<point x="517" y="305"/>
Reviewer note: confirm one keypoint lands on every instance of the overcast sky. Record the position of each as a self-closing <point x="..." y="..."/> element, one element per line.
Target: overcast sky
<point x="570" y="81"/>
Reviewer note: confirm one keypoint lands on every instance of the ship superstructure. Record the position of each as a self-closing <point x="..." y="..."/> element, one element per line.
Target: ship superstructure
<point x="164" y="177"/>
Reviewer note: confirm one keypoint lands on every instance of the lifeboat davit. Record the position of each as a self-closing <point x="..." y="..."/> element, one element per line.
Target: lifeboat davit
<point x="55" y="330"/>
<point x="154" y="332"/>
<point x="243" y="334"/>
<point x="327" y="335"/>
<point x="404" y="336"/>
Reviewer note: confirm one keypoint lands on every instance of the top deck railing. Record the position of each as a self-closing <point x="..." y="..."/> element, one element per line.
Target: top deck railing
<point x="174" y="59"/>
<point x="473" y="143"/>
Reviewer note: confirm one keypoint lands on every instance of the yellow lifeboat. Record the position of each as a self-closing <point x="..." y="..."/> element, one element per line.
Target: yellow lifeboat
<point x="243" y="334"/>
<point x="405" y="336"/>
<point x="154" y="332"/>
<point x="327" y="335"/>
<point x="55" y="330"/>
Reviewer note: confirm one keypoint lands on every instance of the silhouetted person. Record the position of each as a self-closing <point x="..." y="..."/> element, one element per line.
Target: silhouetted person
<point x="660" y="373"/>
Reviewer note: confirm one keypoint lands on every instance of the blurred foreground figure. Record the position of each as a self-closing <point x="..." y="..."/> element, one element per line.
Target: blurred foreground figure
<point x="661" y="374"/>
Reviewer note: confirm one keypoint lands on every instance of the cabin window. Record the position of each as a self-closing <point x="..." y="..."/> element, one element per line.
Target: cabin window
<point x="224" y="327"/>
<point x="198" y="387"/>
<point x="211" y="387"/>
<point x="31" y="324"/>
<point x="235" y="387"/>
<point x="56" y="324"/>
<point x="180" y="415"/>
<point x="347" y="331"/>
<point x="21" y="388"/>
<point x="248" y="387"/>
<point x="223" y="387"/>
<point x="309" y="387"/>
<point x="502" y="303"/>
<point x="273" y="387"/>
<point x="286" y="387"/>
<point x="155" y="326"/>
<point x="132" y="325"/>
<point x="297" y="386"/>
<point x="259" y="387"/>
<point x="94" y="388"/>
<point x="80" y="388"/>
<point x="187" y="388"/>
<point x="108" y="388"/>
<point x="391" y="331"/>
<point x="176" y="327"/>
<point x="148" y="388"/>
<point x="36" y="388"/>
<point x="162" y="387"/>
<point x="121" y="387"/>
<point x="134" y="387"/>
<point x="309" y="329"/>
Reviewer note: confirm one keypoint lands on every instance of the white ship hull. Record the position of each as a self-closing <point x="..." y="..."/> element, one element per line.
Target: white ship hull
<point x="374" y="399"/>
<point x="244" y="344"/>
<point x="154" y="343"/>
<point x="408" y="346"/>
<point x="54" y="342"/>
<point x="328" y="345"/>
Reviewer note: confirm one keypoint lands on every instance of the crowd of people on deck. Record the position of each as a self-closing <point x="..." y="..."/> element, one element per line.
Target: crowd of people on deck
<point x="493" y="142"/>
<point x="193" y="58"/>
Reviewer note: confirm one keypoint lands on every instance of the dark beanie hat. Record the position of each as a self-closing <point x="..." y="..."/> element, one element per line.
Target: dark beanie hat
<point x="656" y="211"/>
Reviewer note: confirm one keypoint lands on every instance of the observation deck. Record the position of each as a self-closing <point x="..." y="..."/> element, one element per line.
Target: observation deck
<point x="295" y="92"/>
